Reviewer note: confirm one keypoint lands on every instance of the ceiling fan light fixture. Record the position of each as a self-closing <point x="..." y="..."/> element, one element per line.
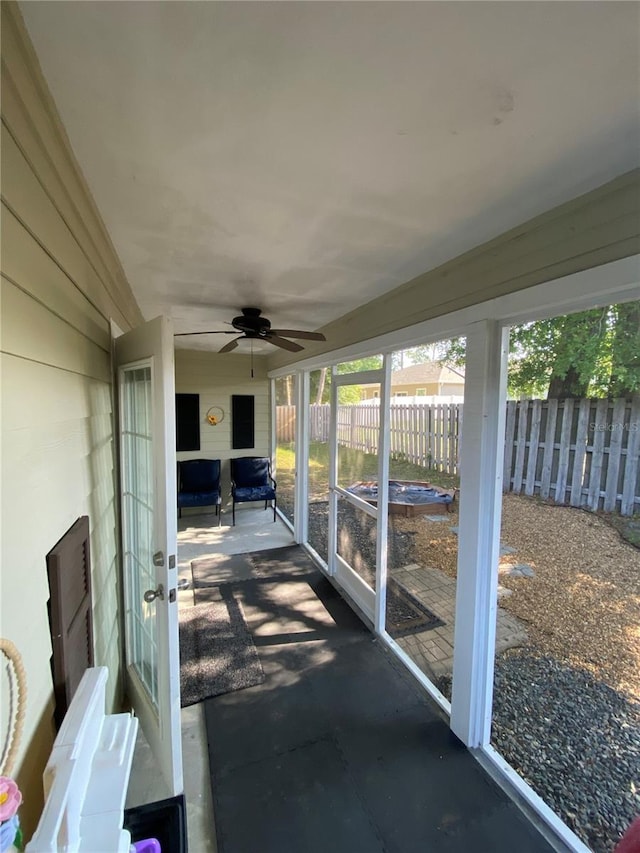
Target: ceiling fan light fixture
<point x="252" y="325"/>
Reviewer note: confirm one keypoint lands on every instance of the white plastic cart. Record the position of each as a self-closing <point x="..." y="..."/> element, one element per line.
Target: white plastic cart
<point x="86" y="777"/>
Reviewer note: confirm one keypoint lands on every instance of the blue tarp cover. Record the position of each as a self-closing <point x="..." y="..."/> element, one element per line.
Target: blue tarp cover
<point x="403" y="493"/>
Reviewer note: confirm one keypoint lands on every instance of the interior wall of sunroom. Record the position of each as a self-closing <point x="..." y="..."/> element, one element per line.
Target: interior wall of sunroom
<point x="215" y="378"/>
<point x="61" y="285"/>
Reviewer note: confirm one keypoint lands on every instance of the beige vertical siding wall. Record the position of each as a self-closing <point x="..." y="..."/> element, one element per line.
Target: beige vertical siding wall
<point x="61" y="283"/>
<point x="215" y="378"/>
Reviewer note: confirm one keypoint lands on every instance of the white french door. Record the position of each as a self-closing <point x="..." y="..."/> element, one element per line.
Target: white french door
<point x="144" y="359"/>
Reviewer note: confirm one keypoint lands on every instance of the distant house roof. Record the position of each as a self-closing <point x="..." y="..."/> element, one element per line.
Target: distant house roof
<point x="430" y="371"/>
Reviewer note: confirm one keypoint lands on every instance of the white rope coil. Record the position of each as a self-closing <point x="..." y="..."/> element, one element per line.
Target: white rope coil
<point x="17" y="705"/>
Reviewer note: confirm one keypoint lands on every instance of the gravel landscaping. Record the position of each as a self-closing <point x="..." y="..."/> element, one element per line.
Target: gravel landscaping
<point x="575" y="740"/>
<point x="566" y="707"/>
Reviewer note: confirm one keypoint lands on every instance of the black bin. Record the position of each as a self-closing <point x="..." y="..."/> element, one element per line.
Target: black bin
<point x="164" y="820"/>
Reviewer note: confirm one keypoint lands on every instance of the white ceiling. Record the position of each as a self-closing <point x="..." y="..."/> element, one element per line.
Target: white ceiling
<point x="306" y="157"/>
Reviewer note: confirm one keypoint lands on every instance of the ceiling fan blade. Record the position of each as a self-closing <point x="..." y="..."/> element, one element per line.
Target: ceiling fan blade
<point x="283" y="343"/>
<point x="293" y="333"/>
<point x="182" y="334"/>
<point x="231" y="345"/>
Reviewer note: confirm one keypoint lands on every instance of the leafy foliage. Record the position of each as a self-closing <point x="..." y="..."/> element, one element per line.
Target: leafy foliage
<point x="320" y="380"/>
<point x="593" y="353"/>
<point x="285" y="390"/>
<point x="561" y="357"/>
<point x="625" y="350"/>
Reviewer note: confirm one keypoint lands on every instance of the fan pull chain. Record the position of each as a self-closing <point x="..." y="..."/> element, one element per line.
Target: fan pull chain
<point x="252" y="358"/>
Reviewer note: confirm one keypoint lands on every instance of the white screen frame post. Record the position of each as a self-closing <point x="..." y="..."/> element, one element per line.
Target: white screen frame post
<point x="332" y="537"/>
<point x="481" y="455"/>
<point x="383" y="498"/>
<point x="274" y="433"/>
<point x="301" y="510"/>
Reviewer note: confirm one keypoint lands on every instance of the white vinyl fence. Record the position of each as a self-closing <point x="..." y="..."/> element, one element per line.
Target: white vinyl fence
<point x="576" y="452"/>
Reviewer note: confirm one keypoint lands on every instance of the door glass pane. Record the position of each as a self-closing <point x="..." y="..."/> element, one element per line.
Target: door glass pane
<point x="286" y="444"/>
<point x="137" y="512"/>
<point x="319" y="418"/>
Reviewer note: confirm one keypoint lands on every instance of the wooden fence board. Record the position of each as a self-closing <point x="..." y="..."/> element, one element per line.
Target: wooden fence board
<point x="597" y="454"/>
<point x="616" y="433"/>
<point x="549" y="446"/>
<point x="534" y="439"/>
<point x="521" y="444"/>
<point x="631" y="485"/>
<point x="577" y="475"/>
<point x="565" y="447"/>
<point x="508" y="444"/>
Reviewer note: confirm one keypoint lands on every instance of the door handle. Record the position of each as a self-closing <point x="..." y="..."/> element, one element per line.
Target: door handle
<point x="151" y="594"/>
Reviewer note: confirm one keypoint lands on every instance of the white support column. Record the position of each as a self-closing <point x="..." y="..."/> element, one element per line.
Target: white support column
<point x="273" y="424"/>
<point x="481" y="453"/>
<point x="383" y="498"/>
<point x="333" y="474"/>
<point x="301" y="511"/>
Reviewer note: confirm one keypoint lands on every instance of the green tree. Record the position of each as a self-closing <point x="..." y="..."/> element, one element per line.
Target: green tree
<point x="590" y="353"/>
<point x="320" y="380"/>
<point x="581" y="353"/>
<point x="559" y="357"/>
<point x="420" y="354"/>
<point x="285" y="393"/>
<point x="625" y="351"/>
<point x="371" y="362"/>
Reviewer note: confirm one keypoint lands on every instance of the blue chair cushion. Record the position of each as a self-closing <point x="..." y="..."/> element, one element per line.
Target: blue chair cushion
<point x="250" y="472"/>
<point x="186" y="499"/>
<point x="199" y="475"/>
<point x="253" y="493"/>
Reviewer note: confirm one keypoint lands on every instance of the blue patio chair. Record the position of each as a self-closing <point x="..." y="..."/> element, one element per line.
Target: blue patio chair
<point x="251" y="480"/>
<point x="199" y="484"/>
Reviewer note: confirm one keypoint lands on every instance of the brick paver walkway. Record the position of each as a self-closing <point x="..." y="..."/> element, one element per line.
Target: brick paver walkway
<point x="432" y="650"/>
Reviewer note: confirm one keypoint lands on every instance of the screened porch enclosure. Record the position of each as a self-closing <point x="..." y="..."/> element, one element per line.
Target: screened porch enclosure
<point x="335" y="440"/>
